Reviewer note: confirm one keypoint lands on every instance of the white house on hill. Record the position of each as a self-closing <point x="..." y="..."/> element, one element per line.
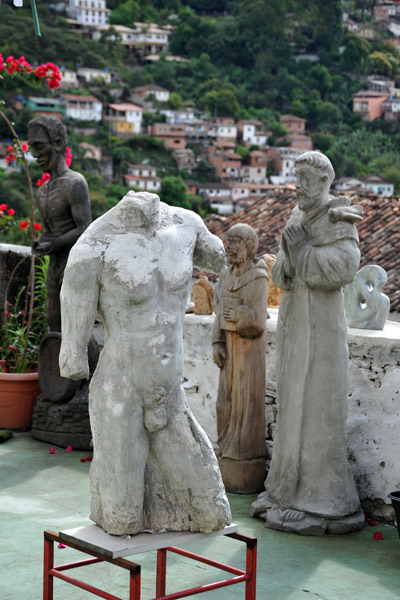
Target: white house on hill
<point x="88" y="12"/>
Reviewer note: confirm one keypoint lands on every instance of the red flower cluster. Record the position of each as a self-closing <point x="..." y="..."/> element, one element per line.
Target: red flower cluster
<point x="25" y="225"/>
<point x="15" y="65"/>
<point x="12" y="154"/>
<point x="45" y="177"/>
<point x="13" y="151"/>
<point x="50" y="72"/>
<point x="9" y="211"/>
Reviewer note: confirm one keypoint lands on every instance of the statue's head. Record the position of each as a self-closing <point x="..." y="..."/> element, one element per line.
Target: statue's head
<point x="242" y="244"/>
<point x="314" y="175"/>
<point x="47" y="139"/>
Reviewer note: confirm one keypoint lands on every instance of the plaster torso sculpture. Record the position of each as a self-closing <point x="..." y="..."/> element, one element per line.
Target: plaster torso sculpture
<point x="239" y="352"/>
<point x="153" y="466"/>
<point x="310" y="487"/>
<point x="365" y="305"/>
<point x="63" y="203"/>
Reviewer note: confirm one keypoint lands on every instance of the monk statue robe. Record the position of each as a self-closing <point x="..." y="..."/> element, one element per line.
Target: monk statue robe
<point x="239" y="351"/>
<point x="310" y="487"/>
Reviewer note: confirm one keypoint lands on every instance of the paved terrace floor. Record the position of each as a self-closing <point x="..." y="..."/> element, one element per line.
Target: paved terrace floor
<point x="41" y="491"/>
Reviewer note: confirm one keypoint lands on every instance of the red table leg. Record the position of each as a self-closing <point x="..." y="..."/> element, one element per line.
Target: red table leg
<point x="161" y="572"/>
<point x="48" y="563"/>
<point x="134" y="585"/>
<point x="251" y="569"/>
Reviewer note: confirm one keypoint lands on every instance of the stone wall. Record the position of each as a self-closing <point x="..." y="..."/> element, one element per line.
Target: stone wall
<point x="374" y="402"/>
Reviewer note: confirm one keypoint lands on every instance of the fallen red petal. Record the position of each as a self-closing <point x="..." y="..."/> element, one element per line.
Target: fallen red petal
<point x="68" y="449"/>
<point x="378" y="535"/>
<point x="52" y="451"/>
<point x="60" y="545"/>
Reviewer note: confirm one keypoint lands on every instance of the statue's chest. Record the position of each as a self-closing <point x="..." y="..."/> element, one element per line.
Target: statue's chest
<point x="52" y="201"/>
<point x="140" y="264"/>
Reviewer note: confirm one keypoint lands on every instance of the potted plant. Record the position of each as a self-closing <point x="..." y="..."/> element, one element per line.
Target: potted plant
<point x="19" y="384"/>
<point x="22" y="321"/>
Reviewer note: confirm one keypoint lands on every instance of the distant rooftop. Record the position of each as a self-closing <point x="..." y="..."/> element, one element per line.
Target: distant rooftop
<point x="79" y="98"/>
<point x="379" y="231"/>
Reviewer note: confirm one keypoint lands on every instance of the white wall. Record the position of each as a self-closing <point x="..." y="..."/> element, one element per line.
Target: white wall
<point x="374" y="401"/>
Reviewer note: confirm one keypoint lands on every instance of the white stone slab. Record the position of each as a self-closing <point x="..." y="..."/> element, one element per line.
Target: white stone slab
<point x="92" y="537"/>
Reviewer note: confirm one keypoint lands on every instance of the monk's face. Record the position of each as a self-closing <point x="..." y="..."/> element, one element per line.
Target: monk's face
<point x="236" y="250"/>
<point x="41" y="148"/>
<point x="310" y="184"/>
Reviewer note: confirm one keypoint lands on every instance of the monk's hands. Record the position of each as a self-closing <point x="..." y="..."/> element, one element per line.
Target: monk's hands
<point x="294" y="238"/>
<point x="229" y="314"/>
<point x="219" y="354"/>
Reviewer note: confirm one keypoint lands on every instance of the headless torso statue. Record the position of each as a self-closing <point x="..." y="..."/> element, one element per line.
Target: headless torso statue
<point x="64" y="206"/>
<point x="153" y="466"/>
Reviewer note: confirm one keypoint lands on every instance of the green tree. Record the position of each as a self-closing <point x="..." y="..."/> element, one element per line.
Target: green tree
<point x="223" y="103"/>
<point x="175" y="101"/>
<point x="356" y="53"/>
<point x="174" y="192"/>
<point x="381" y="63"/>
<point x="126" y="13"/>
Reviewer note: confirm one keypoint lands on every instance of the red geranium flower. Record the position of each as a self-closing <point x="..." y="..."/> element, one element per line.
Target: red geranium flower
<point x="37" y="226"/>
<point x="23" y="224"/>
<point x="11" y="212"/>
<point x="45" y="177"/>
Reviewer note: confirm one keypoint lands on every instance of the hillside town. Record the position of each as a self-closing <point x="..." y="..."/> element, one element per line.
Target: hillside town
<point x="242" y="160"/>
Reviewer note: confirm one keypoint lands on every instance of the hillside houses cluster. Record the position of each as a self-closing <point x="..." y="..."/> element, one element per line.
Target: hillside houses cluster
<point x="236" y="181"/>
<point x="380" y="101"/>
<point x="91" y="18"/>
<point x="386" y="16"/>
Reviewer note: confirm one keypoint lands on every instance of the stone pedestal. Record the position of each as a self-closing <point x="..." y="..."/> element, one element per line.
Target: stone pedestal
<point x="242" y="476"/>
<point x="64" y="423"/>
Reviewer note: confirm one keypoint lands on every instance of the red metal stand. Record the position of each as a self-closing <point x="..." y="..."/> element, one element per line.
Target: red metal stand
<point x="248" y="576"/>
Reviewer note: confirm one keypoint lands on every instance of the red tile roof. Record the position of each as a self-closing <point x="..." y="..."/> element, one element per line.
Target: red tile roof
<point x="379" y="231"/>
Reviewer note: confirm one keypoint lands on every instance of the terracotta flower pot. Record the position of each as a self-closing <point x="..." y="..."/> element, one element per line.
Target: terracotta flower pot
<point x="18" y="394"/>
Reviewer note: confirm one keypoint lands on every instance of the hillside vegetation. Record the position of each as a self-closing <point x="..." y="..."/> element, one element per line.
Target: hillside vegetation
<point x="245" y="59"/>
